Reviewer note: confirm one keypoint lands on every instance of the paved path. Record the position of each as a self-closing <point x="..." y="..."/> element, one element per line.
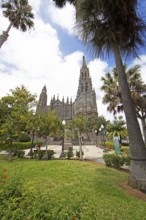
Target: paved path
<point x="91" y="152"/>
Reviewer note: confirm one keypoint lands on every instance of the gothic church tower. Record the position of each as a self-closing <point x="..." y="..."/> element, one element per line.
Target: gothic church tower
<point x="85" y="101"/>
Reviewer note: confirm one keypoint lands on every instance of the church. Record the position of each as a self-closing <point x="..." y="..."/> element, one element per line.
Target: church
<point x="84" y="103"/>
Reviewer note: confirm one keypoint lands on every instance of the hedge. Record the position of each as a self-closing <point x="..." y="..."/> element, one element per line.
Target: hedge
<point x="116" y="161"/>
<point x="18" y="145"/>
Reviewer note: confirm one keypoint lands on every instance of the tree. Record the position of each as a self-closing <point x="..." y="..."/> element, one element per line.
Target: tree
<point x="20" y="15"/>
<point x="79" y="123"/>
<point x="32" y="127"/>
<point x="137" y="87"/>
<point x="62" y="3"/>
<point x="14" y="114"/>
<point x="94" y="122"/>
<point x="116" y="27"/>
<point x="49" y="124"/>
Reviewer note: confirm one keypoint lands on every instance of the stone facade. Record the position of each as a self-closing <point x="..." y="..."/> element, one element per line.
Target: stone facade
<point x="85" y="101"/>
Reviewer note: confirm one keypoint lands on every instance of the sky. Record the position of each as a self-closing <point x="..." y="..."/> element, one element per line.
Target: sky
<point x="51" y="55"/>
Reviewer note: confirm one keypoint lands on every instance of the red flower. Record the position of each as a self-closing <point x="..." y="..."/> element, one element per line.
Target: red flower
<point x="5" y="176"/>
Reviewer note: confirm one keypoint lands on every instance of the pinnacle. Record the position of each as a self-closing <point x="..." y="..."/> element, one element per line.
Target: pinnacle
<point x="84" y="62"/>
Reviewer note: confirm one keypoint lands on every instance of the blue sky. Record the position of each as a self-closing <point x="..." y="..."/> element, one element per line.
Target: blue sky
<point x="51" y="54"/>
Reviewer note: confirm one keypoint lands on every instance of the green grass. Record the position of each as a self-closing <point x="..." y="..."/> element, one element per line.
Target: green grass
<point x="3" y="157"/>
<point x="63" y="189"/>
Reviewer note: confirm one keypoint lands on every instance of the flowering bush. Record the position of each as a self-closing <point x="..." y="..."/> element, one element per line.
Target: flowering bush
<point x="10" y="193"/>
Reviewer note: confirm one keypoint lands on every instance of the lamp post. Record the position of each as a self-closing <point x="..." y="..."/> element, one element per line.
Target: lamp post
<point x="96" y="133"/>
<point x="62" y="151"/>
<point x="103" y="136"/>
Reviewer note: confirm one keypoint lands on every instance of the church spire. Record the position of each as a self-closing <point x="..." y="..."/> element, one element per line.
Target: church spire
<point x="44" y="90"/>
<point x="84" y="63"/>
<point x="42" y="102"/>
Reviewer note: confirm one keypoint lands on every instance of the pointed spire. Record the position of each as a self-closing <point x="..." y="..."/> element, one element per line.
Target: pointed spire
<point x="44" y="89"/>
<point x="84" y="62"/>
<point x="67" y="100"/>
<point x="63" y="99"/>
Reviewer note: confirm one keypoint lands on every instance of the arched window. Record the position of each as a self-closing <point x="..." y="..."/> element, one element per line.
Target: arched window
<point x="86" y="87"/>
<point x="66" y="112"/>
<point x="82" y="87"/>
<point x="82" y="75"/>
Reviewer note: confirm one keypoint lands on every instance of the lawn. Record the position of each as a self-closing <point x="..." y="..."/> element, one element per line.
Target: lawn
<point x="65" y="190"/>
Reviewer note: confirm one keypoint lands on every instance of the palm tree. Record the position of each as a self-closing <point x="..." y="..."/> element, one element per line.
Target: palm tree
<point x="117" y="128"/>
<point x="62" y="3"/>
<point x="115" y="27"/>
<point x="20" y="15"/>
<point x="112" y="92"/>
<point x="113" y="97"/>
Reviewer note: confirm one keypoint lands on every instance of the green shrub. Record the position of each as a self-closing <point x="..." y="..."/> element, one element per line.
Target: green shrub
<point x="18" y="145"/>
<point x="78" y="154"/>
<point x="107" y="159"/>
<point x="69" y="153"/>
<point x="12" y="196"/>
<point x="109" y="145"/>
<point x="18" y="153"/>
<point x="126" y="160"/>
<point x="24" y="138"/>
<point x="50" y="154"/>
<point x="115" y="160"/>
<point x="40" y="154"/>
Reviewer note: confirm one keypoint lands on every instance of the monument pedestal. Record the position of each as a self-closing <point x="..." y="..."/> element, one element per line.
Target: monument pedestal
<point x="67" y="139"/>
<point x="67" y="144"/>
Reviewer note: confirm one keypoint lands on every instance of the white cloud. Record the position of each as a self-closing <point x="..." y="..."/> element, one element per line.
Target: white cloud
<point x="142" y="62"/>
<point x="34" y="59"/>
<point x="64" y="17"/>
<point x="35" y="5"/>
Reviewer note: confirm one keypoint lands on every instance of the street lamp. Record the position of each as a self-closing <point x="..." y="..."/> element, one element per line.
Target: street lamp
<point x="96" y="133"/>
<point x="62" y="151"/>
<point x="103" y="136"/>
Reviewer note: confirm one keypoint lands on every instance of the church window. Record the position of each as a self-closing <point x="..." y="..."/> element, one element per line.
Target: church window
<point x="86" y="87"/>
<point x="82" y="88"/>
<point x="66" y="112"/>
<point x="82" y="75"/>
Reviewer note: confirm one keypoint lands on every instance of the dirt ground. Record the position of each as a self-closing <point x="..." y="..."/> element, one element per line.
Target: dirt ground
<point x="133" y="192"/>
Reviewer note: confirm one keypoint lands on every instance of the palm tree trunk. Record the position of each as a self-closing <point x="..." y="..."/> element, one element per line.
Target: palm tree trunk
<point x="137" y="147"/>
<point x="143" y="122"/>
<point x="5" y="35"/>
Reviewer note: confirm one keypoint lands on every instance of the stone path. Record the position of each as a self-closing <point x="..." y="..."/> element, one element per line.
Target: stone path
<point x="91" y="152"/>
